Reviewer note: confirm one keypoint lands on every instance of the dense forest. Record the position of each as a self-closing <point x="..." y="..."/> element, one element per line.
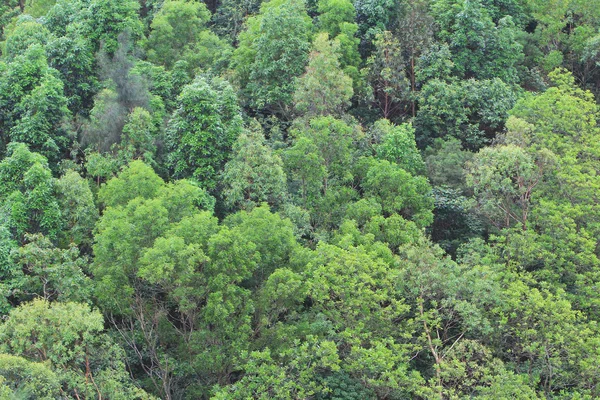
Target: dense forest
<point x="299" y="199"/>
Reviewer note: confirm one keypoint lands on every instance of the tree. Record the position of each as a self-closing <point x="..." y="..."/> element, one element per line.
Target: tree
<point x="563" y="121"/>
<point x="396" y="144"/>
<point x="504" y="179"/>
<point x="304" y="166"/>
<point x="179" y="31"/>
<point x="135" y="180"/>
<point x="397" y="191"/>
<point x="41" y="116"/>
<point x="38" y="8"/>
<point x="338" y="18"/>
<point x="272" y="53"/>
<point x="254" y="174"/>
<point x="48" y="272"/>
<point x="387" y="76"/>
<point x="333" y="14"/>
<point x="319" y="166"/>
<point x="470" y="110"/>
<point x="69" y="338"/>
<point x="106" y="121"/>
<point x="102" y="21"/>
<point x="72" y="57"/>
<point x="203" y="129"/>
<point x="162" y="232"/>
<point x="78" y="209"/>
<point x="374" y="17"/>
<point x="480" y="49"/>
<point x="8" y="10"/>
<point x="63" y="14"/>
<point x="26" y="379"/>
<point x="540" y="322"/>
<point x="33" y="96"/>
<point x="351" y="291"/>
<point x="140" y="135"/>
<point x="231" y="16"/>
<point x="445" y="161"/>
<point x="415" y="34"/>
<point x="26" y="32"/>
<point x="28" y="190"/>
<point x="183" y="276"/>
<point x="563" y="215"/>
<point x="454" y="221"/>
<point x="272" y="235"/>
<point x="334" y="140"/>
<point x="176" y="25"/>
<point x="115" y="68"/>
<point x="324" y="89"/>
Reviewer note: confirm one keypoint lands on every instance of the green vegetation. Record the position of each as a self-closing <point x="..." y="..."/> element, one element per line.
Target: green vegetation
<point x="300" y="199"/>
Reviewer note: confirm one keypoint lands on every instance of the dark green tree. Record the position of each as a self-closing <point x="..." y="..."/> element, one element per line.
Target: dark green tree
<point x="203" y="130"/>
<point x="36" y="112"/>
<point x="179" y="32"/>
<point x="273" y="51"/>
<point x="68" y="338"/>
<point x="480" y="48"/>
<point x="470" y="110"/>
<point x="28" y="193"/>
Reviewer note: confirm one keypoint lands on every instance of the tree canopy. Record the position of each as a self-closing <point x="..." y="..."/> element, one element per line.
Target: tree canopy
<point x="299" y="199"/>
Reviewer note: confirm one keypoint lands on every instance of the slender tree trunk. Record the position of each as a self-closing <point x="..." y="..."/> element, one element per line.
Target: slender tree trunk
<point x="432" y="349"/>
<point x="412" y="84"/>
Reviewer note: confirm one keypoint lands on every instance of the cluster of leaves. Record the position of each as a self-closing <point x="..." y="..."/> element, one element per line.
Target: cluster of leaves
<point x="299" y="199"/>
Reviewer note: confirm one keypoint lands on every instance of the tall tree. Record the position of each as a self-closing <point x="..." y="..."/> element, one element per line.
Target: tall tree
<point x="415" y="34"/>
<point x="273" y="51"/>
<point x="504" y="179"/>
<point x="203" y="130"/>
<point x="480" y="48"/>
<point x="32" y="95"/>
<point x="69" y="338"/>
<point x="254" y="174"/>
<point x="387" y="76"/>
<point x="324" y="89"/>
<point x="27" y="190"/>
<point x="179" y="31"/>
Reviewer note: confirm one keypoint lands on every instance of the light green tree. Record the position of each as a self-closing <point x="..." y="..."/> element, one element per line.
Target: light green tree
<point x="48" y="272"/>
<point x="69" y="338"/>
<point x="387" y="76"/>
<point x="397" y="191"/>
<point x="503" y="179"/>
<point x="397" y="144"/>
<point x="324" y="89"/>
<point x="338" y="18"/>
<point x="26" y="379"/>
<point x="78" y="209"/>
<point x="25" y="33"/>
<point x="254" y="174"/>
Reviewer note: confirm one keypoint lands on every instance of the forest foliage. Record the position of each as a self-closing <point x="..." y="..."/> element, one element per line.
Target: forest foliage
<point x="299" y="199"/>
